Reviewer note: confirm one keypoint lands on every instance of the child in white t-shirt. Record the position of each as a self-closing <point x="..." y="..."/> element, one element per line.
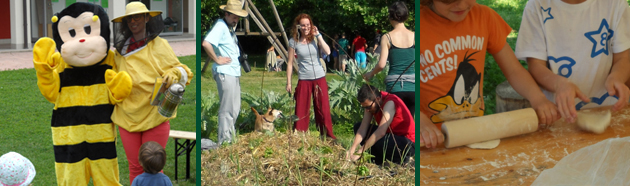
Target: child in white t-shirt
<point x="577" y="49"/>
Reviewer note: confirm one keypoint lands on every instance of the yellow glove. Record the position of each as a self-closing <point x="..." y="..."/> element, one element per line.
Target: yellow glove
<point x="171" y="76"/>
<point x="45" y="61"/>
<point x="119" y="85"/>
<point x="43" y="51"/>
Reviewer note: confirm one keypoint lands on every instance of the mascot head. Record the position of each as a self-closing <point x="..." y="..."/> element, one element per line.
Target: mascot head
<point x="82" y="34"/>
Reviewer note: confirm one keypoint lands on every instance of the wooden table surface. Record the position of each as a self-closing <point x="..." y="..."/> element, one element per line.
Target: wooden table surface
<point x="517" y="160"/>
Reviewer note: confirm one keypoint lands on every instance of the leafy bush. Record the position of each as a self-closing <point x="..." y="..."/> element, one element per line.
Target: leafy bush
<point x="282" y="102"/>
<point x="345" y="109"/>
<point x="209" y="109"/>
<point x="343" y="93"/>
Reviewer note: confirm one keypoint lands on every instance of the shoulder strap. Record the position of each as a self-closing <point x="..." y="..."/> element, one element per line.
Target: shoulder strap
<point x="390" y="40"/>
<point x="319" y="54"/>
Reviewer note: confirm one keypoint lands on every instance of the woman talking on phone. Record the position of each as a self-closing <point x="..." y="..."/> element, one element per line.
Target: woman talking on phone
<point x="307" y="42"/>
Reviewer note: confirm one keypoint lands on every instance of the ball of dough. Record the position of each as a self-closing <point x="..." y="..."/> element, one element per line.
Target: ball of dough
<point x="594" y="121"/>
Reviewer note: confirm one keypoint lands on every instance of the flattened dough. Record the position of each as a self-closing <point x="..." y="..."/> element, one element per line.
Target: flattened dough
<point x="485" y="145"/>
<point x="593" y="121"/>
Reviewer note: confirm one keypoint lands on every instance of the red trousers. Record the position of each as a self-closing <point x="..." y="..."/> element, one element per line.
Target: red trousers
<point x="133" y="140"/>
<point x="318" y="89"/>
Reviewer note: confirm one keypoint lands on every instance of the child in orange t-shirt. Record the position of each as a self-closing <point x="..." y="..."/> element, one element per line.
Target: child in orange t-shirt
<point x="454" y="38"/>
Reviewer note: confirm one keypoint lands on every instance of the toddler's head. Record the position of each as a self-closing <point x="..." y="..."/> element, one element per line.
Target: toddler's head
<point x="15" y="169"/>
<point x="152" y="157"/>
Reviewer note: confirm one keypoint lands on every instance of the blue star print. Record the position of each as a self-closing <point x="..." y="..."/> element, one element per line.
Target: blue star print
<point x="597" y="100"/>
<point x="548" y="10"/>
<point x="563" y="67"/>
<point x="602" y="36"/>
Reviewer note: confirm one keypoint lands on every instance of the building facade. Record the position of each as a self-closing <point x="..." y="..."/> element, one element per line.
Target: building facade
<point x="29" y="20"/>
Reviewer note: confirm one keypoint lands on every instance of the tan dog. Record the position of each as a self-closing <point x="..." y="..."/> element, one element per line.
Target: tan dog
<point x="265" y="122"/>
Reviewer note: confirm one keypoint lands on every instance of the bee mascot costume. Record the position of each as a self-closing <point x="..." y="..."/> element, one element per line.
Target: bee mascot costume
<point x="83" y="84"/>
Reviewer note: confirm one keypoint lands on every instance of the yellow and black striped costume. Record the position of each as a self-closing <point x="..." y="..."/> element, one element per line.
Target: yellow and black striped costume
<point x="84" y="97"/>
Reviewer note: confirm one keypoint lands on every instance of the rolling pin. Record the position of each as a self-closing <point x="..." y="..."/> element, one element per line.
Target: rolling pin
<point x="490" y="127"/>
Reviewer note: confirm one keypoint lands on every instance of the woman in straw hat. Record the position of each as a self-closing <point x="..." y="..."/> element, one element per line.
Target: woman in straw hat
<point x="145" y="56"/>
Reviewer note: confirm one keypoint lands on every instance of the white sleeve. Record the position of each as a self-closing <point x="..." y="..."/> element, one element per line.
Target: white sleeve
<point x="621" y="36"/>
<point x="531" y="37"/>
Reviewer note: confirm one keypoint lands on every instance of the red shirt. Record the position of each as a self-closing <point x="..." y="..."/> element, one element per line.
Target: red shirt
<point x="359" y="44"/>
<point x="403" y="123"/>
<point x="135" y="45"/>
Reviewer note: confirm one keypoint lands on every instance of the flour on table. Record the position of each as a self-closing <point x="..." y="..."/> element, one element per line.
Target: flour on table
<point x="485" y="145"/>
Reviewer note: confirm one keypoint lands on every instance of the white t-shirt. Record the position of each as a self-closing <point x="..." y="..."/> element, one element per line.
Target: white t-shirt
<point x="577" y="41"/>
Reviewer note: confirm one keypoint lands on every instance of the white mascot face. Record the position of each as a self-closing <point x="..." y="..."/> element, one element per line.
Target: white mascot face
<point x="83" y="44"/>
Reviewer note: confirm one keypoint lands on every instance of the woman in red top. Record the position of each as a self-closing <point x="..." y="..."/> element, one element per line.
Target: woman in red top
<point x="394" y="137"/>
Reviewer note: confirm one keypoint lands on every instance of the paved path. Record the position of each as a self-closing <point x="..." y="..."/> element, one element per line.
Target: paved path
<point x="24" y="59"/>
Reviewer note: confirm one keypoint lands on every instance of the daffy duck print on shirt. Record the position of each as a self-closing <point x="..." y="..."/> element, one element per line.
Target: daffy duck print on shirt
<point x="464" y="98"/>
<point x="452" y="60"/>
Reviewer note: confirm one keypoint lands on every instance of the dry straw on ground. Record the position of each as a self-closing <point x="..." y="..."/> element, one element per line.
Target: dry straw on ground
<point x="292" y="159"/>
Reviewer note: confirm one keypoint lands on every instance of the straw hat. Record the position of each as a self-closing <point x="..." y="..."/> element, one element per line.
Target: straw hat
<point x="235" y="7"/>
<point x="136" y="7"/>
<point x="15" y="169"/>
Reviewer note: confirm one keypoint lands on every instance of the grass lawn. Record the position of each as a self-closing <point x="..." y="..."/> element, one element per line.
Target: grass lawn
<point x="273" y="81"/>
<point x="26" y="126"/>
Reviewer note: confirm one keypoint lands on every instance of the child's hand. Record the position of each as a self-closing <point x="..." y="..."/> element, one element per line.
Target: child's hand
<point x="619" y="89"/>
<point x="546" y="111"/>
<point x="430" y="135"/>
<point x="566" y="92"/>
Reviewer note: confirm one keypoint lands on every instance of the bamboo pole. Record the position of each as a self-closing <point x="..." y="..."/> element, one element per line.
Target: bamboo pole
<point x="275" y="13"/>
<point x="246" y="23"/>
<point x="275" y="45"/>
<point x="266" y="26"/>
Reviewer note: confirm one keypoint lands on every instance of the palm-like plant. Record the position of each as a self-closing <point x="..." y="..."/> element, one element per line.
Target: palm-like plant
<point x="343" y="93"/>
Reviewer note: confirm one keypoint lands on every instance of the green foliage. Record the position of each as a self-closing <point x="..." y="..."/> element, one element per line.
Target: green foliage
<point x="268" y="152"/>
<point x="209" y="12"/>
<point x="343" y="92"/>
<point x="349" y="16"/>
<point x="209" y="110"/>
<point x="511" y="12"/>
<point x="363" y="170"/>
<point x="282" y="102"/>
<point x="245" y="122"/>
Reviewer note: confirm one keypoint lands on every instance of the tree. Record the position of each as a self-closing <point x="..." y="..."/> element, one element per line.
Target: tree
<point x="330" y="16"/>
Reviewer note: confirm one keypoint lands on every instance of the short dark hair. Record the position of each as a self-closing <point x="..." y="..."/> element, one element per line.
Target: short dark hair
<point x="398" y="11"/>
<point x="368" y="92"/>
<point x="152" y="157"/>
